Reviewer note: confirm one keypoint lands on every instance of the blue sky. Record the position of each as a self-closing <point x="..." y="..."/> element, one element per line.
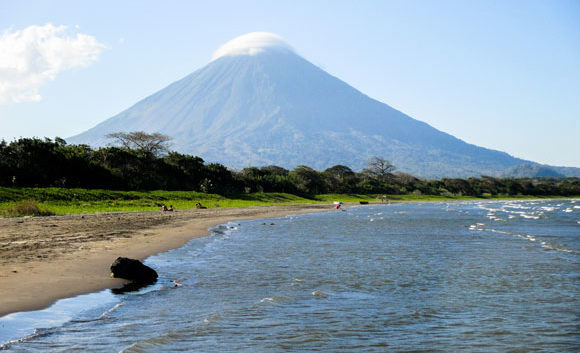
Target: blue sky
<point x="499" y="74"/>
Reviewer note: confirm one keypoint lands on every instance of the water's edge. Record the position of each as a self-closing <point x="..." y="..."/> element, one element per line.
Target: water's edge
<point x="23" y="325"/>
<point x="471" y="276"/>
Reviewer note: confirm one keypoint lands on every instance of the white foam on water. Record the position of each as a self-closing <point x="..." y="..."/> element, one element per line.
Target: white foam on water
<point x="517" y="206"/>
<point x="37" y="333"/>
<point x="549" y="246"/>
<point x="516" y="235"/>
<point x="476" y="226"/>
<point x="528" y="211"/>
<point x="22" y="326"/>
<point x="273" y="299"/>
<point x="106" y="313"/>
<point x="544" y="244"/>
<point x="319" y="294"/>
<point x="490" y="209"/>
<point x="528" y="216"/>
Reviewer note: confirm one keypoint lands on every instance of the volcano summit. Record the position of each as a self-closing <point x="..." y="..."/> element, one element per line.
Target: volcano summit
<point x="259" y="103"/>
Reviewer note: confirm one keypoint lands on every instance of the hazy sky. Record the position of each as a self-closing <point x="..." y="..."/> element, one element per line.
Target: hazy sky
<point x="499" y="74"/>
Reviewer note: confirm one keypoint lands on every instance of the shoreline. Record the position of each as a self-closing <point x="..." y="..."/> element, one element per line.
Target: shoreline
<point x="69" y="255"/>
<point x="65" y="256"/>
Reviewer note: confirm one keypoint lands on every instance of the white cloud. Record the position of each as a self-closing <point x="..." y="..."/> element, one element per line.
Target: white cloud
<point x="35" y="55"/>
<point x="252" y="44"/>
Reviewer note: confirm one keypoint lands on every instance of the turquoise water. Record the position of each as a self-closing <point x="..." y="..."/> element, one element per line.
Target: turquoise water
<point x="466" y="276"/>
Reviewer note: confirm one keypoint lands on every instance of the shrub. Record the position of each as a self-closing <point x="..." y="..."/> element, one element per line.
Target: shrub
<point x="25" y="208"/>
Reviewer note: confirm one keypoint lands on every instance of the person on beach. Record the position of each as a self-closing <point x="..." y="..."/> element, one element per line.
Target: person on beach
<point x="170" y="209"/>
<point x="163" y="208"/>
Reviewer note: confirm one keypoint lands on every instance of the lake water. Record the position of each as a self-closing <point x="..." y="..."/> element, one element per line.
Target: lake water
<point x="463" y="276"/>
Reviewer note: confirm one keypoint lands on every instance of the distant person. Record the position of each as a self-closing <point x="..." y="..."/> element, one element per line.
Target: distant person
<point x="163" y="208"/>
<point x="199" y="206"/>
<point x="170" y="209"/>
<point x="337" y="206"/>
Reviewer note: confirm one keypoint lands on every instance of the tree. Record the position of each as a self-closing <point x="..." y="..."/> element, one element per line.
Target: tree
<point x="218" y="179"/>
<point x="183" y="171"/>
<point x="274" y="170"/>
<point x="379" y="168"/>
<point x="276" y="179"/>
<point x="339" y="171"/>
<point x="154" y="144"/>
<point x="457" y="186"/>
<point x="307" y="180"/>
<point x="251" y="178"/>
<point x="340" y="179"/>
<point x="251" y="173"/>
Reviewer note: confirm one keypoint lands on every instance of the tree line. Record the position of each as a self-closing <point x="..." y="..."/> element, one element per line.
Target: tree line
<point x="33" y="162"/>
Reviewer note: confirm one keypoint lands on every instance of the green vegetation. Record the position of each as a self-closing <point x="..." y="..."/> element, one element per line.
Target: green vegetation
<point x="18" y="202"/>
<point x="25" y="208"/>
<point x="65" y="201"/>
<point x="139" y="175"/>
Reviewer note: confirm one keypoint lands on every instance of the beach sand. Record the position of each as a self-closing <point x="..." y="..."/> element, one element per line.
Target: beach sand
<point x="43" y="259"/>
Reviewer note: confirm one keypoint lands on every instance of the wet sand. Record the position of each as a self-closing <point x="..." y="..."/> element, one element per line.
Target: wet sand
<point x="43" y="259"/>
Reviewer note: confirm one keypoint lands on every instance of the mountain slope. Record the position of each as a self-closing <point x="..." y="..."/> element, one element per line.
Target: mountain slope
<point x="533" y="171"/>
<point x="274" y="107"/>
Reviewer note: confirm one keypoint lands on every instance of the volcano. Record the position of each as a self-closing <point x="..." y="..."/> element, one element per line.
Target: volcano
<point x="259" y="103"/>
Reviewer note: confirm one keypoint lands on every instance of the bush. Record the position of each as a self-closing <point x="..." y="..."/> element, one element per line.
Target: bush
<point x="25" y="208"/>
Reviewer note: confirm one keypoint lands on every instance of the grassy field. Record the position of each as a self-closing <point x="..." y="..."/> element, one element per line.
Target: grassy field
<point x="45" y="201"/>
<point x="15" y="201"/>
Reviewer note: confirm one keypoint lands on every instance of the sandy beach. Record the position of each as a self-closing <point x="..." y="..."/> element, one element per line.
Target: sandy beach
<point x="43" y="259"/>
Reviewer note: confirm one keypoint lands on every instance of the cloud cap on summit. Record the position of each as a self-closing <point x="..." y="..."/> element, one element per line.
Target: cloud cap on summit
<point x="251" y="44"/>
